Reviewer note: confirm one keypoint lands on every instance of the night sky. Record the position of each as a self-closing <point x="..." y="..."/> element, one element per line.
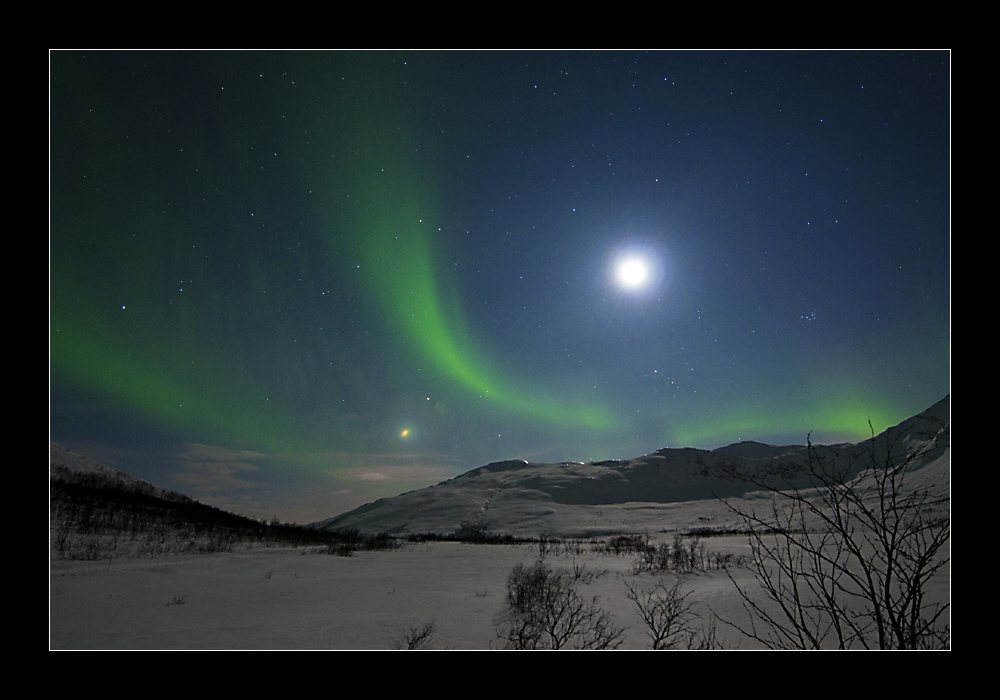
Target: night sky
<point x="289" y="283"/>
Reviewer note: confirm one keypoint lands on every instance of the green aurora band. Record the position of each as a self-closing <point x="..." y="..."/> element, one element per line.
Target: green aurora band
<point x="392" y="224"/>
<point x="837" y="419"/>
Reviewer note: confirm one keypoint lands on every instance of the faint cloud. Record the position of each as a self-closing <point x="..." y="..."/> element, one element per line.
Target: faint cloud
<point x="353" y="479"/>
<point x="403" y="469"/>
<point x="371" y="476"/>
<point x="213" y="468"/>
<point x="219" y="453"/>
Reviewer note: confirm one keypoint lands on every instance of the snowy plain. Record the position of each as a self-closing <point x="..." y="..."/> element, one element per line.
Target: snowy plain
<point x="307" y="599"/>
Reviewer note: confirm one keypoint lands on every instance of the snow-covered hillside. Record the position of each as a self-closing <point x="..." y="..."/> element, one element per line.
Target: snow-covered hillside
<point x="664" y="490"/>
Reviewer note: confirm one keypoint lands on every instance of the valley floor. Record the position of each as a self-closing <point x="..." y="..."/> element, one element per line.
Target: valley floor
<point x="307" y="599"/>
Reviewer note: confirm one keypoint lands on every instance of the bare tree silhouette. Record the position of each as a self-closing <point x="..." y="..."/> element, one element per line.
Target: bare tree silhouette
<point x="847" y="563"/>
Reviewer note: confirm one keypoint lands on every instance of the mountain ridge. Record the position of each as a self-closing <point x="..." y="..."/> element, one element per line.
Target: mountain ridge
<point x="579" y="499"/>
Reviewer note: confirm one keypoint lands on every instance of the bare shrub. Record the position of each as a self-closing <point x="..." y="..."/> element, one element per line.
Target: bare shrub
<point x="683" y="556"/>
<point x="545" y="611"/>
<point x="417" y="638"/>
<point x="670" y="621"/>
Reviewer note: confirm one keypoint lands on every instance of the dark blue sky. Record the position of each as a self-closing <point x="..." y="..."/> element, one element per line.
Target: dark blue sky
<point x="288" y="283"/>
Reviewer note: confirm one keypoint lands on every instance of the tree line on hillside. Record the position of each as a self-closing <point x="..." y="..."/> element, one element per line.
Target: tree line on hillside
<point x="102" y="516"/>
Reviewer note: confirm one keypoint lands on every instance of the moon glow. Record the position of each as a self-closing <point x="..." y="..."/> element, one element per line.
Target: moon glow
<point x="632" y="272"/>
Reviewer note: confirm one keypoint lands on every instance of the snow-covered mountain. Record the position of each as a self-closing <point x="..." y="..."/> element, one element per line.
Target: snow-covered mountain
<point x="666" y="490"/>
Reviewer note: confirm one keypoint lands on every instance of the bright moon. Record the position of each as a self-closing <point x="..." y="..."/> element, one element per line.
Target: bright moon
<point x="632" y="272"/>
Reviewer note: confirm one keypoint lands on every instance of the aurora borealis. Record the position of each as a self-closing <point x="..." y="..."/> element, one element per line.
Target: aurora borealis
<point x="288" y="283"/>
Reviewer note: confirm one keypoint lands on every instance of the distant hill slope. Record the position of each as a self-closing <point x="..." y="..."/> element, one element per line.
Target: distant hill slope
<point x="669" y="488"/>
<point x="97" y="512"/>
<point x="68" y="469"/>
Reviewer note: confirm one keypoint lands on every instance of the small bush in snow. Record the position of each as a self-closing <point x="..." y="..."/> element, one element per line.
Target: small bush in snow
<point x="545" y="611"/>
